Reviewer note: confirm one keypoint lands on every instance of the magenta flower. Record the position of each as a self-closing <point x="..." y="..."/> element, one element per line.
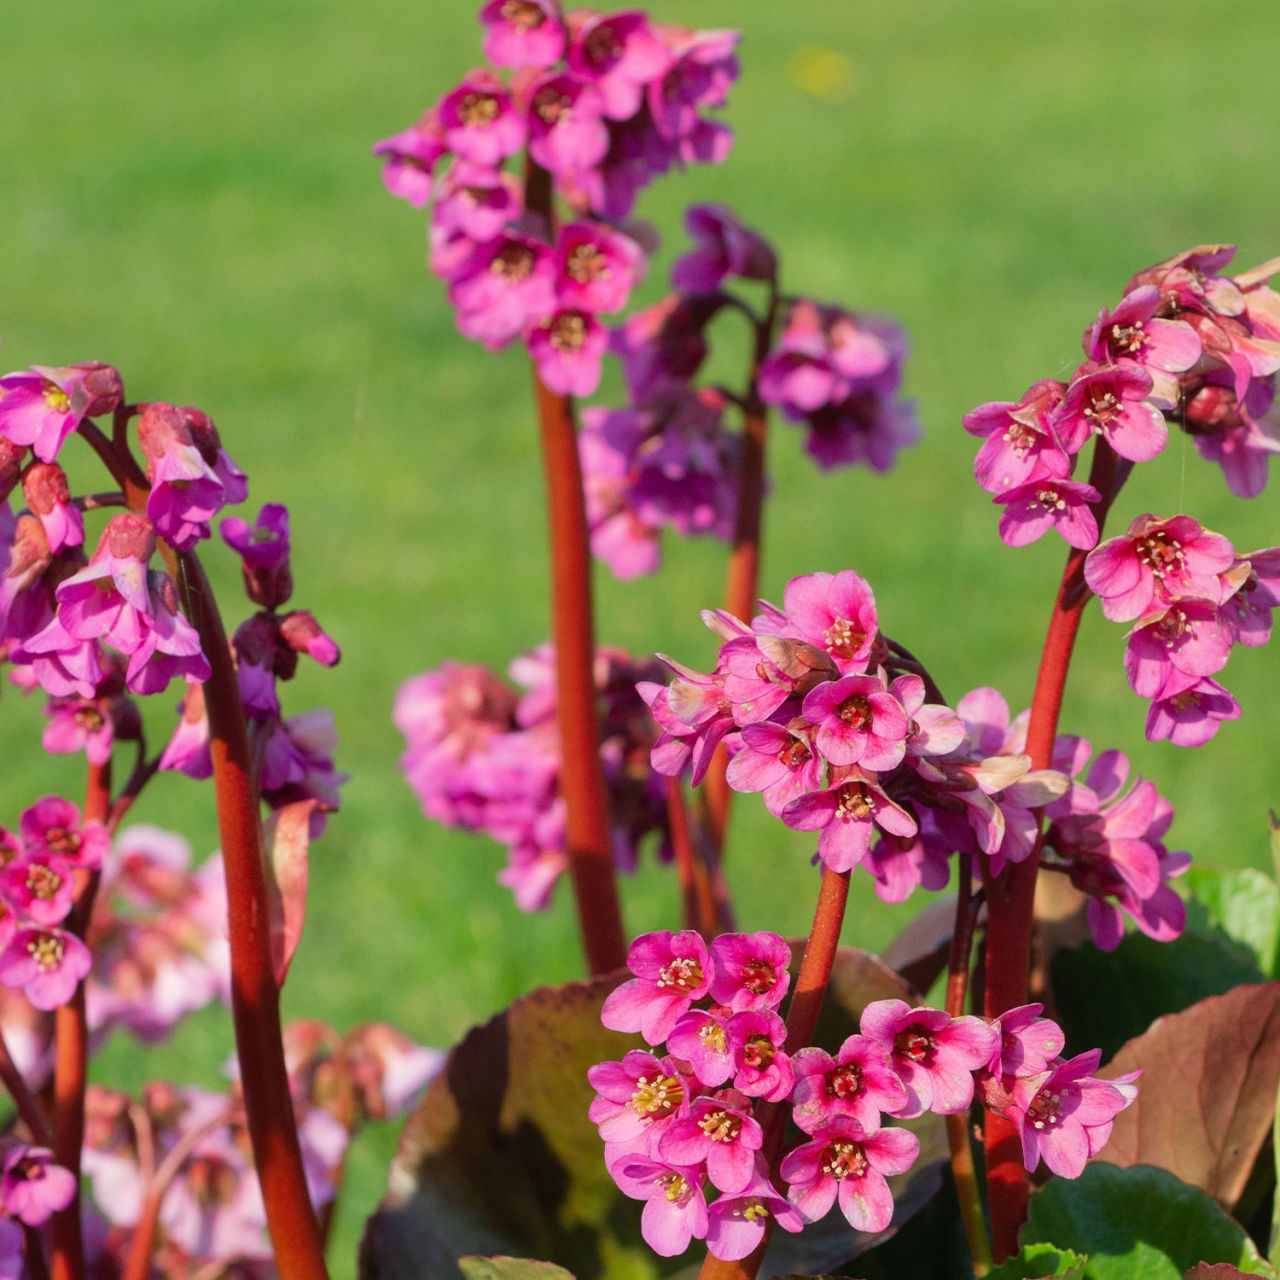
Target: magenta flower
<point x="45" y="488"/>
<point x="675" y="1211"/>
<point x="672" y="971"/>
<point x="62" y="665"/>
<point x="502" y="286"/>
<point x="859" y="1082"/>
<point x="1191" y="716"/>
<point x="1032" y="509"/>
<point x="301" y="633"/>
<point x="778" y="761"/>
<point x="858" y="722"/>
<point x="170" y="647"/>
<point x="48" y="964"/>
<point x="798" y="375"/>
<point x="1111" y="401"/>
<point x="32" y="1187"/>
<point x="903" y="864"/>
<point x="79" y="724"/>
<point x="737" y="1222"/>
<point x="718" y="1131"/>
<point x="568" y="348"/>
<point x="847" y="814"/>
<point x="1238" y="433"/>
<point x="596" y="267"/>
<point x="263" y="548"/>
<point x="479" y="122"/>
<point x="1019" y="444"/>
<point x="751" y="970"/>
<point x="108" y="599"/>
<point x="1155" y="563"/>
<point x="475" y="203"/>
<point x="1065" y="1115"/>
<point x="52" y="825"/>
<point x="1169" y="651"/>
<point x="187" y="751"/>
<point x="700" y="1038"/>
<point x="1027" y="1042"/>
<point x="761" y="1069"/>
<point x="412" y="155"/>
<point x="620" y="54"/>
<point x="934" y="1055"/>
<point x="1248" y="609"/>
<point x="847" y="1164"/>
<point x="567" y="132"/>
<point x="701" y="70"/>
<point x="836" y="612"/>
<point x="40" y="409"/>
<point x="1133" y="332"/>
<point x="522" y="33"/>
<point x="637" y="1099"/>
<point x="39" y="886"/>
<point x="724" y="249"/>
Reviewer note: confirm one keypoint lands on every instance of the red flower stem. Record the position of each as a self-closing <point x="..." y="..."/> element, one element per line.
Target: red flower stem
<point x="743" y="581"/>
<point x="1011" y="895"/>
<point x="71" y="1056"/>
<point x="582" y="784"/>
<point x="27" y="1104"/>
<point x="802" y="1020"/>
<point x="255" y="997"/>
<point x="698" y="902"/>
<point x="963" y="1172"/>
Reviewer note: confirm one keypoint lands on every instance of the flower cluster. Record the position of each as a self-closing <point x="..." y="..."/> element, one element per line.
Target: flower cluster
<point x="483" y="758"/>
<point x="1185" y="343"/>
<point x="674" y="1121"/>
<point x="603" y="104"/>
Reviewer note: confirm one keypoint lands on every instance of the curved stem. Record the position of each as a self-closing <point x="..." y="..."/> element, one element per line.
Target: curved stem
<point x="27" y="1104"/>
<point x="255" y="997"/>
<point x="802" y="1020"/>
<point x="582" y="782"/>
<point x="1011" y="895"/>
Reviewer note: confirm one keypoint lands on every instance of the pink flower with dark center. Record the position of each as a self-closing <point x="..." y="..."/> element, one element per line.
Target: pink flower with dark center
<point x="45" y="488"/>
<point x="724" y="249"/>
<point x="1032" y="509"/>
<point x="835" y="612"/>
<point x="1191" y="716"/>
<point x="672" y="971"/>
<point x="761" y="1069"/>
<point x="502" y="286"/>
<point x="859" y="1082"/>
<point x="779" y="761"/>
<point x="1133" y="332"/>
<point x="675" y="1211"/>
<point x="847" y="813"/>
<point x="479" y="122"/>
<point x="1027" y="1042"/>
<point x="48" y="964"/>
<point x="412" y="155"/>
<point x="567" y="132"/>
<point x="80" y="724"/>
<point x="263" y="548"/>
<point x="637" y="1099"/>
<point x="476" y="202"/>
<point x="40" y="886"/>
<point x="522" y="33"/>
<point x="32" y="1187"/>
<point x="1169" y="651"/>
<point x="568" y="348"/>
<point x="596" y="267"/>
<point x="1019" y="444"/>
<point x="52" y="825"/>
<point x="934" y="1055"/>
<point x="1111" y="401"/>
<point x="737" y="1222"/>
<point x="700" y="1039"/>
<point x="41" y="408"/>
<point x="1065" y="1115"/>
<point x="1155" y="563"/>
<point x="751" y="971"/>
<point x="620" y="54"/>
<point x="858" y="721"/>
<point x="847" y="1164"/>
<point x="717" y="1131"/>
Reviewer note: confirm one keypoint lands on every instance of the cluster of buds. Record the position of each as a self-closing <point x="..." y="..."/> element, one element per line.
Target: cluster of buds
<point x="483" y="758"/>
<point x="603" y="103"/>
<point x="673" y="1121"/>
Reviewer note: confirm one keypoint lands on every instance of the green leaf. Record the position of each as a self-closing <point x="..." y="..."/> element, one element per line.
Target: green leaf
<point x="1041" y="1260"/>
<point x="1243" y="905"/>
<point x="1142" y="980"/>
<point x="1138" y="1223"/>
<point x="511" y="1269"/>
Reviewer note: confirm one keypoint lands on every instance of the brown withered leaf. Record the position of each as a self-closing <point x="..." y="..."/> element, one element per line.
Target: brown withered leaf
<point x="1216" y="1271"/>
<point x="1207" y="1095"/>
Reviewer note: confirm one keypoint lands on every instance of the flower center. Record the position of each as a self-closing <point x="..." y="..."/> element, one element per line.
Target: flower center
<point x="1128" y="339"/>
<point x="1050" y="499"/>
<point x="676" y="1189"/>
<point x="46" y="950"/>
<point x="844" y="1160"/>
<point x="1020" y="438"/>
<point x="586" y="262"/>
<point x="1103" y="406"/>
<point x="914" y="1043"/>
<point x="514" y="261"/>
<point x="682" y="974"/>
<point x="752" y="1208"/>
<point x="843" y="638"/>
<point x="854" y="804"/>
<point x="845" y="1081"/>
<point x="478" y="110"/>
<point x="794" y="754"/>
<point x="54" y="397"/>
<point x="89" y="719"/>
<point x="1172" y="627"/>
<point x="43" y="882"/>
<point x="1160" y="553"/>
<point x="62" y="840"/>
<point x="721" y="1125"/>
<point x="568" y="331"/>
<point x="1186" y="701"/>
<point x="712" y="1036"/>
<point x="758" y="976"/>
<point x="659" y="1096"/>
<point x="602" y="46"/>
<point x="522" y="14"/>
<point x="759" y="1052"/>
<point x="1044" y="1108"/>
<point x="552" y="105"/>
<point x="855" y="711"/>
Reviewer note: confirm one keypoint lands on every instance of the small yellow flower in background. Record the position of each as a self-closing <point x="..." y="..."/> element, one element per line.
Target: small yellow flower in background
<point x="823" y="73"/>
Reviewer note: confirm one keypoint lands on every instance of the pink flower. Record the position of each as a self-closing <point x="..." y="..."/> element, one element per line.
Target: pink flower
<point x="501" y="286"/>
<point x="1168" y="651"/>
<point x="568" y="348"/>
<point x="596" y="267"/>
<point x="751" y="970"/>
<point x="637" y="1099"/>
<point x="700" y="1039"/>
<point x="45" y="488"/>
<point x="835" y="612"/>
<point x="301" y="633"/>
<point x="264" y="552"/>
<point x="725" y="249"/>
<point x="567" y="133"/>
<point x="737" y="1222"/>
<point x="479" y="122"/>
<point x="779" y="761"/>
<point x="52" y="825"/>
<point x="798" y="374"/>
<point x="1019" y="443"/>
<point x="1065" y="1115"/>
<point x="108" y="600"/>
<point x="675" y="1211"/>
<point x="1248" y="609"/>
<point x="1239" y="433"/>
<point x="1134" y="333"/>
<point x="847" y="814"/>
<point x="475" y="202"/>
<point x="32" y="1187"/>
<point x="48" y="964"/>
<point x="845" y="1163"/>
<point x="412" y="155"/>
<point x="1032" y="509"/>
<point x="1154" y="564"/>
<point x="858" y="722"/>
<point x="1111" y="401"/>
<point x="859" y="1082"/>
<point x="80" y="724"/>
<point x="672" y="971"/>
<point x="761" y="1069"/>
<point x="522" y="33"/>
<point x="718" y="1131"/>
<point x="42" y="408"/>
<point x="702" y="68"/>
<point x="934" y="1055"/>
<point x="39" y="886"/>
<point x="170" y="647"/>
<point x="1191" y="716"/>
<point x="620" y="54"/>
<point x="1027" y="1043"/>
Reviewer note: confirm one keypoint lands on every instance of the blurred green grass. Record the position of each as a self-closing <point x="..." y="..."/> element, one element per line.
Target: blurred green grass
<point x="188" y="193"/>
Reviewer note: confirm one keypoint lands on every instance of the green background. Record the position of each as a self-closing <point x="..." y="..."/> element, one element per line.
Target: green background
<point x="188" y="193"/>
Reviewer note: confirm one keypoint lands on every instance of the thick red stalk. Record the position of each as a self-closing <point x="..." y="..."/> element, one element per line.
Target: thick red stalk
<point x="255" y="997"/>
<point x="1011" y="895"/>
<point x="573" y="631"/>
<point x="802" y="1021"/>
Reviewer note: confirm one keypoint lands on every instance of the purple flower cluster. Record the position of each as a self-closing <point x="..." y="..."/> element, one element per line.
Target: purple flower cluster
<point x="674" y="1121"/>
<point x="483" y="758"/>
<point x="603" y="104"/>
